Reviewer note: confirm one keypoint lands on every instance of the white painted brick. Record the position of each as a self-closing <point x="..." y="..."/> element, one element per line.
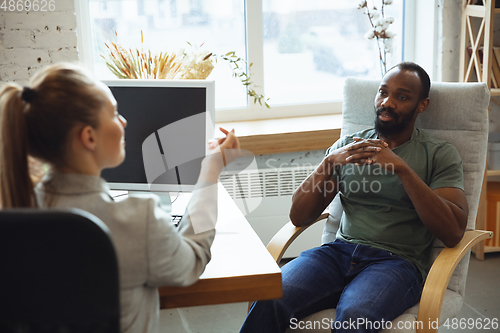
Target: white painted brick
<point x="2" y="20"/>
<point x="33" y="69"/>
<point x="18" y="39"/>
<point x="14" y="73"/>
<point x="66" y="54"/>
<point x="55" y="40"/>
<point x="3" y="58"/>
<point x="63" y="20"/>
<point x="65" y="5"/>
<point x="50" y="21"/>
<point x="15" y="20"/>
<point x="32" y="40"/>
<point x="3" y="73"/>
<point x="27" y="57"/>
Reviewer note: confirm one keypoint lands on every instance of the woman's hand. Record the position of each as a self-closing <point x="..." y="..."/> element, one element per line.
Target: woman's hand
<point x="228" y="146"/>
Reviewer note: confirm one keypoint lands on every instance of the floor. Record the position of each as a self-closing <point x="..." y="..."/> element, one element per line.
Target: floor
<point x="482" y="304"/>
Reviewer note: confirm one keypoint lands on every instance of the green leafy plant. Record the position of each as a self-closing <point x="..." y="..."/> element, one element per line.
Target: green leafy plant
<point x="238" y="66"/>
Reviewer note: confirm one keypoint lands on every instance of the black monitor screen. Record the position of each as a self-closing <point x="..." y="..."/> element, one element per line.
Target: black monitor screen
<point x="150" y="111"/>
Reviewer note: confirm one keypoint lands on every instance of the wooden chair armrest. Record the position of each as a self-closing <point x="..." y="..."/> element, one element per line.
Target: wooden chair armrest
<point x="439" y="277"/>
<point x="285" y="236"/>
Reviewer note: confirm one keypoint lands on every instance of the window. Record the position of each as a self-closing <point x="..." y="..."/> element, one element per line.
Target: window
<point x="301" y="50"/>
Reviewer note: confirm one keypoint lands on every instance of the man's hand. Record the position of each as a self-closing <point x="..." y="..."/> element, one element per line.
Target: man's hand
<point x="318" y="190"/>
<point x="359" y="152"/>
<point x="384" y="157"/>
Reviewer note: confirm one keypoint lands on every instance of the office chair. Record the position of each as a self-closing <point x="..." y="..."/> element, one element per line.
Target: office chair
<point x="458" y="113"/>
<point x="59" y="272"/>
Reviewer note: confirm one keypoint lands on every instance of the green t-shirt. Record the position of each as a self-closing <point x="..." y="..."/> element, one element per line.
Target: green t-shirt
<point x="377" y="209"/>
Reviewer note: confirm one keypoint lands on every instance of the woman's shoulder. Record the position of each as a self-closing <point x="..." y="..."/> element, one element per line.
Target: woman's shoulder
<point x="143" y="200"/>
<point x="146" y="207"/>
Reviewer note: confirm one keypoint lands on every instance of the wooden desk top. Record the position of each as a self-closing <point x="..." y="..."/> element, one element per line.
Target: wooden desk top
<point x="241" y="268"/>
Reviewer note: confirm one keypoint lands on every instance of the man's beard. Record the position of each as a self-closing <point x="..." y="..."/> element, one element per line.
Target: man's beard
<point x="397" y="125"/>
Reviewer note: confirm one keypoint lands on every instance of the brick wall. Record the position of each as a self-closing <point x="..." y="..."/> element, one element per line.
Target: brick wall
<point x="30" y="40"/>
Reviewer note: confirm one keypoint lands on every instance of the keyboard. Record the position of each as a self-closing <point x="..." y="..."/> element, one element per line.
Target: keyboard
<point x="176" y="219"/>
<point x="179" y="204"/>
<point x="176" y="207"/>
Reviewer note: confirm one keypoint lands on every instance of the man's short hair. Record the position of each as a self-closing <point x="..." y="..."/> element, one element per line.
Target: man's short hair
<point x="422" y="75"/>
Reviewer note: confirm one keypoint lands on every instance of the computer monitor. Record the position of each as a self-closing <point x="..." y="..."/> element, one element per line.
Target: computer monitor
<point x="169" y="125"/>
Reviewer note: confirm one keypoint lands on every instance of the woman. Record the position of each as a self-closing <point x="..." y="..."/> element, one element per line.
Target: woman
<point x="70" y="121"/>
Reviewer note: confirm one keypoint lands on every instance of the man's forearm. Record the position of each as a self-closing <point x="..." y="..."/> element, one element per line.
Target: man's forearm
<point x="445" y="219"/>
<point x="313" y="195"/>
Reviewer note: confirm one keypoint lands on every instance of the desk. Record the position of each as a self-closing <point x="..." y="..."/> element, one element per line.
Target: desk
<point x="241" y="268"/>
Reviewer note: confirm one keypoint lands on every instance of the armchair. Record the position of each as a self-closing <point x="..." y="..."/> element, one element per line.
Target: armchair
<point x="458" y="113"/>
<point x="59" y="272"/>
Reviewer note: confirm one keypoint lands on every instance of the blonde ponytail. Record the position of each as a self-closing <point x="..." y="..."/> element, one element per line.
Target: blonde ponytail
<point x="36" y="121"/>
<point x="15" y="182"/>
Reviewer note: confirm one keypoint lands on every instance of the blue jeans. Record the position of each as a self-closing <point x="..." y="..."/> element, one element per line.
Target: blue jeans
<point x="364" y="284"/>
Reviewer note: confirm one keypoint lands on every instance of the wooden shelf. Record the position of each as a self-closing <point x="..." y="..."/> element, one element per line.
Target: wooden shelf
<point x="477" y="30"/>
<point x="493" y="172"/>
<point x="478" y="10"/>
<point x="489" y="249"/>
<point x="475" y="10"/>
<point x="495" y="91"/>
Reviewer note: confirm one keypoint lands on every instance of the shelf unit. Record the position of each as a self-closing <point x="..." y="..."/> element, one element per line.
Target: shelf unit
<point x="477" y="31"/>
<point x="493" y="173"/>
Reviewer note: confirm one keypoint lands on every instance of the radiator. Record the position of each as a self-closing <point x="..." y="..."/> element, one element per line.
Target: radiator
<point x="264" y="197"/>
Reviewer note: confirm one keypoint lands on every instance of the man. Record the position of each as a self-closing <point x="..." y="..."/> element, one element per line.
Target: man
<point x="375" y="268"/>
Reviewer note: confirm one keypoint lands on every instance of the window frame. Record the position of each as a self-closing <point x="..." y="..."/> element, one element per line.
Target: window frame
<point x="255" y="55"/>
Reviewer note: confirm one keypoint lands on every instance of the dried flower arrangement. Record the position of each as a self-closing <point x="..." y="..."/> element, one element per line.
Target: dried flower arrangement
<point x="380" y="25"/>
<point x="140" y="64"/>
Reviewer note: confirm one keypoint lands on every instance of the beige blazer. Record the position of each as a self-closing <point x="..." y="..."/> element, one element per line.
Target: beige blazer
<point x="151" y="251"/>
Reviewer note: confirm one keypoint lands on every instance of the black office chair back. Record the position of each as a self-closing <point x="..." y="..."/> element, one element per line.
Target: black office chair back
<point x="59" y="272"/>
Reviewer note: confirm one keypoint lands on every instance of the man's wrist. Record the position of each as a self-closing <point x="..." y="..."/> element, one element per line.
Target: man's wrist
<point x="401" y="168"/>
<point x="330" y="166"/>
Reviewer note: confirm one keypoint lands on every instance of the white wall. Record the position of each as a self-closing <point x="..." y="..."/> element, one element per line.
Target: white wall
<point x="31" y="40"/>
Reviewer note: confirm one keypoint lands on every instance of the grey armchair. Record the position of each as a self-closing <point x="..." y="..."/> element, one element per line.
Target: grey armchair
<point x="458" y="113"/>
